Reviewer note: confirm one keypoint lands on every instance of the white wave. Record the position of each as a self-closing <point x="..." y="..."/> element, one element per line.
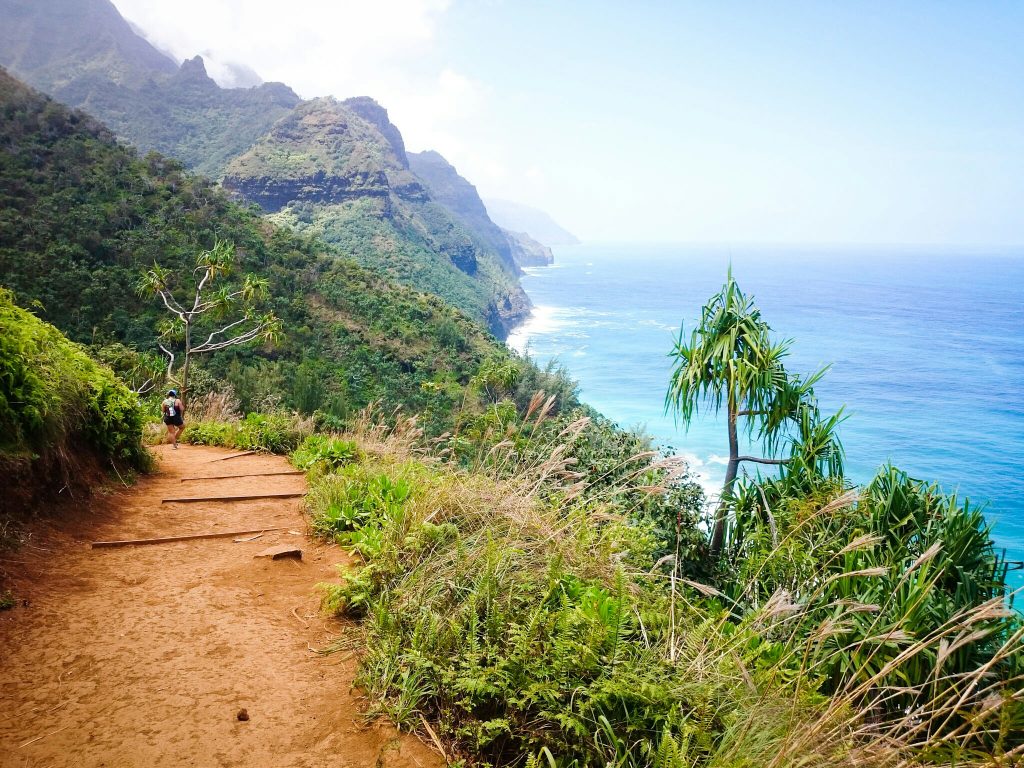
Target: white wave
<point x="708" y="479"/>
<point x="542" y="320"/>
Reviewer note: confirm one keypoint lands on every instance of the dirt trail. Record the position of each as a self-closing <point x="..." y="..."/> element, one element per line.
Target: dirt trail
<point x="143" y="656"/>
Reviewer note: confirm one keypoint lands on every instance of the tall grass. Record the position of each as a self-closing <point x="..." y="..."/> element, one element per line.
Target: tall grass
<point x="518" y="610"/>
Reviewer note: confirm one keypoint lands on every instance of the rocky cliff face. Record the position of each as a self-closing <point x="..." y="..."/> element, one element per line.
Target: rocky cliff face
<point x="377" y="116"/>
<point x="322" y="152"/>
<point x="460" y="197"/>
<point x="340" y="170"/>
<point x="527" y="252"/>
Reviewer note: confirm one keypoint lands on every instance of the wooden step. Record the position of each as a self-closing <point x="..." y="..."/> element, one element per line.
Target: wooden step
<point x="247" y="497"/>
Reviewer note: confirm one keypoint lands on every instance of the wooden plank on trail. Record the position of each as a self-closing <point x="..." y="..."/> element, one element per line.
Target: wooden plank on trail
<point x="280" y="551"/>
<point x="232" y="456"/>
<point x="189" y="537"/>
<point x="250" y="474"/>
<point x="247" y="497"/>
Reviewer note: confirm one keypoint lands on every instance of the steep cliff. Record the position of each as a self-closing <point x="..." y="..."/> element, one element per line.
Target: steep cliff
<point x="460" y="197"/>
<point x="527" y="252"/>
<point x="377" y="116"/>
<point x="328" y="170"/>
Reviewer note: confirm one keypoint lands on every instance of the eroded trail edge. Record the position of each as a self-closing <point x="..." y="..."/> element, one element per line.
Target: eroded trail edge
<point x="144" y="655"/>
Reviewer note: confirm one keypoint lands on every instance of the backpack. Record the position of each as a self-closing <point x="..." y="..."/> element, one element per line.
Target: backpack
<point x="171" y="410"/>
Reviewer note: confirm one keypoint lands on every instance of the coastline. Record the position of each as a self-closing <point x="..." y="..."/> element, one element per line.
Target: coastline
<point x="547" y="318"/>
<point x="925" y="387"/>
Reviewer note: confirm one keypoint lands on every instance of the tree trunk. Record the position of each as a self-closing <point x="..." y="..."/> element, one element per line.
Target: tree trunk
<point x="184" y="366"/>
<point x="718" y="534"/>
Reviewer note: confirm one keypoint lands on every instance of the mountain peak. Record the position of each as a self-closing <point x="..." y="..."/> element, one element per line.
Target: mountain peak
<point x="377" y="116"/>
<point x="194" y="70"/>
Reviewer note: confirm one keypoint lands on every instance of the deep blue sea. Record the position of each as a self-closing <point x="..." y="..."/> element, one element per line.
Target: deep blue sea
<point x="926" y="348"/>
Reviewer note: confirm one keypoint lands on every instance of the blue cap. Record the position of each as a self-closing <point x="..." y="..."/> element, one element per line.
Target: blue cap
<point x="172" y="392"/>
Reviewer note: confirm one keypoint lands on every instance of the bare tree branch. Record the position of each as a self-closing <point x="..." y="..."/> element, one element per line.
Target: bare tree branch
<point x="209" y="339"/>
<point x="249" y="335"/>
<point x="171" y="304"/>
<point x="759" y="460"/>
<point x="170" y="362"/>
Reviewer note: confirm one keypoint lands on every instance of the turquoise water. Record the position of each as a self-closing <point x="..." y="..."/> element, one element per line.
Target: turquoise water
<point x="927" y="351"/>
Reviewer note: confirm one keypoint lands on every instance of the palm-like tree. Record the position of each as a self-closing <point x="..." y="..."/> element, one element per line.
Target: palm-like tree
<point x="731" y="361"/>
<point x="201" y="303"/>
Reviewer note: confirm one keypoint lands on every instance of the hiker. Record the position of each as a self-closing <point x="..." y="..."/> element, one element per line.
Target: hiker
<point x="174" y="416"/>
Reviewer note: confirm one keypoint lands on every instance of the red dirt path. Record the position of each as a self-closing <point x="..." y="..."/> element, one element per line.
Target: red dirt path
<point x="143" y="656"/>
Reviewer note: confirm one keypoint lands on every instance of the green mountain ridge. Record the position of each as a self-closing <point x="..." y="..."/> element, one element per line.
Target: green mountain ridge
<point x="325" y="170"/>
<point x="81" y="217"/>
<point x="84" y="54"/>
<point x="345" y="159"/>
<point x="60" y="45"/>
<point x="461" y="198"/>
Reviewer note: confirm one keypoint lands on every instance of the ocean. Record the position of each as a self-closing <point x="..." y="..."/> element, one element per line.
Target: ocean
<point x="926" y="349"/>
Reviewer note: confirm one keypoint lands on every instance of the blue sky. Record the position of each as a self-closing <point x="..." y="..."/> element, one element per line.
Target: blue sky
<point x="736" y="122"/>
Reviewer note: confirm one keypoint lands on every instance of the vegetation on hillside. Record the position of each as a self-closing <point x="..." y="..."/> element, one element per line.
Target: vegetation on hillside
<point x="344" y="158"/>
<point x="82" y="218"/>
<point x="59" y="410"/>
<point x="325" y="170"/>
<point x="536" y="585"/>
<point x="539" y="590"/>
<point x="226" y="313"/>
<point x="731" y="362"/>
<point x="84" y="54"/>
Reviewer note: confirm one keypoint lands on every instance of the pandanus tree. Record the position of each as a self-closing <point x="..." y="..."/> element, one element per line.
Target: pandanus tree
<point x="209" y="310"/>
<point x="730" y="362"/>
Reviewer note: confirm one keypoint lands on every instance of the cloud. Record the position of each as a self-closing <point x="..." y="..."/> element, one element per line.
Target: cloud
<point x="316" y="47"/>
<point x="387" y="49"/>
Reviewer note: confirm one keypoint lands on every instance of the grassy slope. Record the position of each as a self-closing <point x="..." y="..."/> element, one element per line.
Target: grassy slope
<point x="530" y="614"/>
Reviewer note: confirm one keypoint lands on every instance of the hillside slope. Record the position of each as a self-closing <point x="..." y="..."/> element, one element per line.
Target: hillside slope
<point x="460" y="197"/>
<point x="81" y="217"/>
<point x="346" y="160"/>
<point x="326" y="170"/>
<point x="83" y="53"/>
<point x="63" y="417"/>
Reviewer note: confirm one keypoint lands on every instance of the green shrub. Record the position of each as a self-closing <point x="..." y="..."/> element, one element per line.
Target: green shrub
<point x="53" y="394"/>
<point x="221" y="433"/>
<point x="324" y="453"/>
<point x="517" y="626"/>
<point x="355" y="497"/>
<point x="522" y="612"/>
<point x="274" y="433"/>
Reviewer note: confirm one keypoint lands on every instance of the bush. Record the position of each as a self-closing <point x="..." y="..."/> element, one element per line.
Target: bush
<point x="324" y="453"/>
<point x="521" y="613"/>
<point x="53" y="394"/>
<point x="275" y="433"/>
